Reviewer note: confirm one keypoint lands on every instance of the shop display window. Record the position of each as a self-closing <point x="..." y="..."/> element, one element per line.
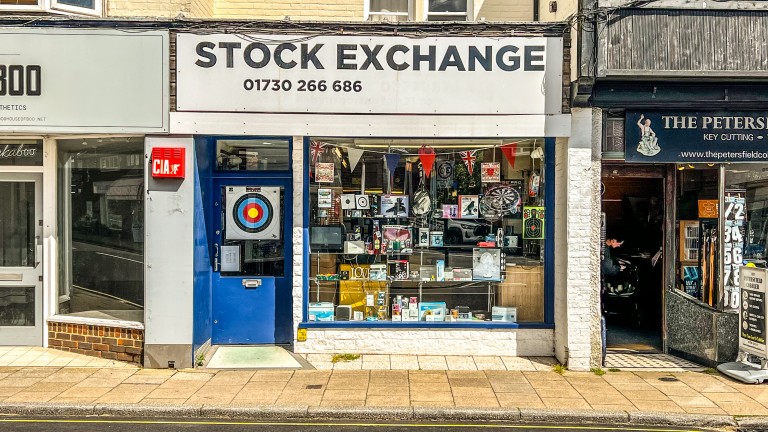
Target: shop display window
<point x="722" y="219"/>
<point x="435" y="230"/>
<point x="101" y="228"/>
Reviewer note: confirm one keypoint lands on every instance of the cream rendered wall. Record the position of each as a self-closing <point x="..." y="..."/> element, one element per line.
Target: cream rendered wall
<point x="148" y="8"/>
<point x="297" y="10"/>
<point x="201" y="9"/>
<point x="503" y="10"/>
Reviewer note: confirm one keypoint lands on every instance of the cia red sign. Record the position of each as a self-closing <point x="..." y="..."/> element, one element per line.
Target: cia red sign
<point x="168" y="162"/>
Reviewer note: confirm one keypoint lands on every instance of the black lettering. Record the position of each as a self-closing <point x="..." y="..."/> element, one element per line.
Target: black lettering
<point x="418" y="57"/>
<point x="248" y="57"/>
<point x="452" y="59"/>
<point x="514" y="60"/>
<point x="342" y="56"/>
<point x="530" y="57"/>
<point x="310" y="56"/>
<point x="484" y="60"/>
<point x="371" y="57"/>
<point x="211" y="57"/>
<point x="278" y="55"/>
<point x="230" y="48"/>
<point x="391" y="57"/>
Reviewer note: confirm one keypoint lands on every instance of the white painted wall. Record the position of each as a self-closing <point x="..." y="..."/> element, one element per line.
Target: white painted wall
<point x="577" y="288"/>
<point x="501" y="342"/>
<point x="168" y="253"/>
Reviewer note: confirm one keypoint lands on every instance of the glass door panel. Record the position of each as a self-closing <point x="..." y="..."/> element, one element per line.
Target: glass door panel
<point x="20" y="256"/>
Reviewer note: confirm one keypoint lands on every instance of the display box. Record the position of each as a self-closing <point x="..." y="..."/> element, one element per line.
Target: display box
<point x="505" y="314"/>
<point x="462" y="274"/>
<point x="378" y="272"/>
<point x="322" y="311"/>
<point x="432" y="311"/>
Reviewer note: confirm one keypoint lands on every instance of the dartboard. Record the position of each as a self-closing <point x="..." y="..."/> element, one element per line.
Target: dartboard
<point x="501" y="199"/>
<point x="252" y="213"/>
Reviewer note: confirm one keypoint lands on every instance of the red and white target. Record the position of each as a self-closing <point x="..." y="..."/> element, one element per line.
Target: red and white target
<point x="253" y="213"/>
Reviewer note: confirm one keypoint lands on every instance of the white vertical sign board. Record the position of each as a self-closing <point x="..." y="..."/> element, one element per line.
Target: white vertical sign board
<point x="369" y="74"/>
<point x="83" y="80"/>
<point x="752" y="329"/>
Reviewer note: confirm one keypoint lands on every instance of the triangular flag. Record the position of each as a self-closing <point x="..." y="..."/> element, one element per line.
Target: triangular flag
<point x="427" y="158"/>
<point x="354" y="157"/>
<point x="510" y="152"/>
<point x="392" y="161"/>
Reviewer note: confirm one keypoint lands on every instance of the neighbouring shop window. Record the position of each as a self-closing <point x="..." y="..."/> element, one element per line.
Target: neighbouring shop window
<point x="427" y="230"/>
<point x="698" y="234"/>
<point x="101" y="227"/>
<point x="389" y="10"/>
<point x="252" y="154"/>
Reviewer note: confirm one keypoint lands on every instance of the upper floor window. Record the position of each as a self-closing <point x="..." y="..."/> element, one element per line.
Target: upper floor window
<point x="389" y="10"/>
<point x="448" y="10"/>
<point x="81" y="7"/>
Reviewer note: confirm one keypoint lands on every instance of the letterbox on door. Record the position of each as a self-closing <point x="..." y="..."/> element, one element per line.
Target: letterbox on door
<point x="168" y="162"/>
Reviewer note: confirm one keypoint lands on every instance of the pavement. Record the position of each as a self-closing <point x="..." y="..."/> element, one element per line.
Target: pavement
<point x="44" y="382"/>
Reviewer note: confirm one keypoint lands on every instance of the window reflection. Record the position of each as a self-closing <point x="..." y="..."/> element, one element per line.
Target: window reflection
<point x="101" y="225"/>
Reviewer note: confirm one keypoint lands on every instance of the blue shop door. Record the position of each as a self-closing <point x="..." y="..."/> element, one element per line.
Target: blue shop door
<point x="252" y="261"/>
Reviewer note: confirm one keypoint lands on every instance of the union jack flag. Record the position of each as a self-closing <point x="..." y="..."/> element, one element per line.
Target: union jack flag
<point x="469" y="159"/>
<point x="315" y="148"/>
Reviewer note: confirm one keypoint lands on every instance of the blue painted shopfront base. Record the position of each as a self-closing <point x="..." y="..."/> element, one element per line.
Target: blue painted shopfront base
<point x="243" y="315"/>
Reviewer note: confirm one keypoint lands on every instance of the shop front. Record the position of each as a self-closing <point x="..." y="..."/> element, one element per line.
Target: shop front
<point x="688" y="200"/>
<point x="374" y="193"/>
<point x="75" y="106"/>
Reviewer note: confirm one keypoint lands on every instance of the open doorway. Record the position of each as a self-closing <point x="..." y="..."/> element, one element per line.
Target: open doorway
<point x="633" y="211"/>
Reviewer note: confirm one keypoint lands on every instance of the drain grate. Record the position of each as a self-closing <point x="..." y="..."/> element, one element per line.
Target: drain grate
<point x="669" y="379"/>
<point x="314" y="386"/>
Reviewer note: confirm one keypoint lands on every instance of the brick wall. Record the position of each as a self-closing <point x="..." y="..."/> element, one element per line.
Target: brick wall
<point x="304" y="10"/>
<point x="111" y="343"/>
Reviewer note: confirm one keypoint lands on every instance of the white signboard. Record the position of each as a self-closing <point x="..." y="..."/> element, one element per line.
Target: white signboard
<point x="83" y="80"/>
<point x="372" y="75"/>
<point x="752" y="330"/>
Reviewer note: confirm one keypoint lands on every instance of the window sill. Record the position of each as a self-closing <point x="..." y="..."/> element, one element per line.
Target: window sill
<point x="488" y="325"/>
<point x="69" y="319"/>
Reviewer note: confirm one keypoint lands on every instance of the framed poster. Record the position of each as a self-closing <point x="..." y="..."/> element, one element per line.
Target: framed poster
<point x="469" y="206"/>
<point x="490" y="172"/>
<point x="324" y="172"/>
<point x="450" y="211"/>
<point x="533" y="223"/>
<point x="394" y="205"/>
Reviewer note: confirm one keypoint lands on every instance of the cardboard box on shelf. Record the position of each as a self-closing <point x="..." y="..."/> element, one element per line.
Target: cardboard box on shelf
<point x="505" y="314"/>
<point x="523" y="288"/>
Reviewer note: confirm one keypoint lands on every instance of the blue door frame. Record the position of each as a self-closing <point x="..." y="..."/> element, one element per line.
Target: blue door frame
<point x="240" y="314"/>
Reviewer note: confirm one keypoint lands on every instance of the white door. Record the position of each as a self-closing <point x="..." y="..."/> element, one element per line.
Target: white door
<point x="21" y="250"/>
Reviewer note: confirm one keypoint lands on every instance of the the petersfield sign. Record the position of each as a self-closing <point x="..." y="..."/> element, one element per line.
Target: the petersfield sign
<point x="356" y="74"/>
<point x="715" y="136"/>
<point x="83" y="80"/>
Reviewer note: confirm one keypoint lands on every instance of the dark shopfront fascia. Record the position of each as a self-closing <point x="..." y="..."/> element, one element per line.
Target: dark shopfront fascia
<point x="700" y="150"/>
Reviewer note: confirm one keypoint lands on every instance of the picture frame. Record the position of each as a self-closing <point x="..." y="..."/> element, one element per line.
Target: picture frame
<point x="469" y="206"/>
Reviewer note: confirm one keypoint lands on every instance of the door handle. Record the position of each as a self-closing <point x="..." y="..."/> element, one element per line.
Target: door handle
<point x="215" y="257"/>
